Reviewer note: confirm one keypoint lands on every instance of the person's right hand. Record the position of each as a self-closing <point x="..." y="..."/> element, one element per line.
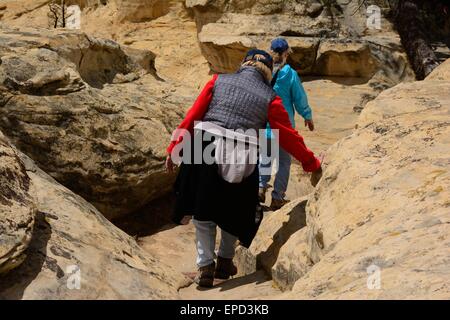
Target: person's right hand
<point x="316" y="176"/>
<point x="309" y="124"/>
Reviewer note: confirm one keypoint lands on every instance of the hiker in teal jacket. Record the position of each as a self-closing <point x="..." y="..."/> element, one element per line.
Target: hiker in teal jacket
<point x="288" y="86"/>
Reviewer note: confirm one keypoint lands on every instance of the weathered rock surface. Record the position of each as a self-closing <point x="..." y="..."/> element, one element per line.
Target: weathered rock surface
<point x="175" y="245"/>
<point x="293" y="261"/>
<point x="170" y="31"/>
<point x="308" y="17"/>
<point x="273" y="233"/>
<point x="345" y="59"/>
<point x="122" y="10"/>
<point x="280" y="248"/>
<point x="142" y="10"/>
<point x="382" y="205"/>
<point x="17" y="210"/>
<point x="441" y="73"/>
<point x="336" y="103"/>
<point x="383" y="202"/>
<point x="228" y="30"/>
<point x="224" y="46"/>
<point x="129" y="10"/>
<point x="72" y="238"/>
<point x="90" y="113"/>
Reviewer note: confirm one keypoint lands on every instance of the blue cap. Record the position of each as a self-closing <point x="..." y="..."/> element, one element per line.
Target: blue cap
<point x="267" y="60"/>
<point x="279" y="45"/>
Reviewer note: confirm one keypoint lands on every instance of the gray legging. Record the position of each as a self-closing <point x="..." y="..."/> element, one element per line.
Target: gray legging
<point x="206" y="232"/>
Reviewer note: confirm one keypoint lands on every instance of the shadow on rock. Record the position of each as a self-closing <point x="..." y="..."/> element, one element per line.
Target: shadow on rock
<point x="256" y="278"/>
<point x="14" y="283"/>
<point x="297" y="221"/>
<point x="154" y="217"/>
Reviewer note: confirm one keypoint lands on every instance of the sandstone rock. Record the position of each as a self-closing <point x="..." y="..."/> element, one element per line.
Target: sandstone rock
<point x="141" y="10"/>
<point x="172" y="37"/>
<point x="171" y="32"/>
<point x="324" y="42"/>
<point x="290" y="11"/>
<point x="123" y="10"/>
<point x="441" y="73"/>
<point x="273" y="233"/>
<point x="355" y="60"/>
<point x="225" y="42"/>
<point x="88" y="3"/>
<point x="224" y="45"/>
<point x="336" y="103"/>
<point x="359" y="20"/>
<point x="293" y="261"/>
<point x="175" y="245"/>
<point x="70" y="239"/>
<point x="16" y="9"/>
<point x="382" y="205"/>
<point x="17" y="211"/>
<point x="280" y="247"/>
<point x="86" y="113"/>
<point x="232" y="28"/>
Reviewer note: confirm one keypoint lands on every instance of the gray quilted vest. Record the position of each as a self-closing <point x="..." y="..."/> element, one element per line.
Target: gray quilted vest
<point x="240" y="100"/>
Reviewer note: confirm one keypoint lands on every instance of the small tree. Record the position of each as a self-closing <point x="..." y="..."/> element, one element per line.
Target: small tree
<point x="408" y="20"/>
<point x="57" y="15"/>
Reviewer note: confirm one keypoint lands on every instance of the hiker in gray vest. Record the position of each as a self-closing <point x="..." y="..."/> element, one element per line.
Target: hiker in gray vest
<point x="289" y="88"/>
<point x="243" y="101"/>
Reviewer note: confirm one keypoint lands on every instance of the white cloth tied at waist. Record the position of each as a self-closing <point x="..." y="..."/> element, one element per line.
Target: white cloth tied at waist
<point x="236" y="153"/>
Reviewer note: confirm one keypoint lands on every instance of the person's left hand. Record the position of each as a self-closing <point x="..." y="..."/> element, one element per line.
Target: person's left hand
<point x="170" y="166"/>
<point x="186" y="219"/>
<point x="309" y="124"/>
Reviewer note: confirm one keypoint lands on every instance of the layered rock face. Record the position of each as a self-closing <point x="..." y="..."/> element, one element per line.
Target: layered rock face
<point x="324" y="42"/>
<point x="377" y="226"/>
<point x="17" y="210"/>
<point x="72" y="252"/>
<point x="392" y="211"/>
<point x="276" y="229"/>
<point x="90" y="114"/>
<point x="129" y="10"/>
<point x="441" y="73"/>
<point x="123" y="10"/>
<point x="141" y="10"/>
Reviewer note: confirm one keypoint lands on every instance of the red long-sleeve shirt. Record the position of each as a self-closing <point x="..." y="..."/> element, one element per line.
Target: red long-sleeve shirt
<point x="289" y="138"/>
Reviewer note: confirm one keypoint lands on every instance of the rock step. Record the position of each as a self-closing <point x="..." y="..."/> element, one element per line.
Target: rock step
<point x="254" y="286"/>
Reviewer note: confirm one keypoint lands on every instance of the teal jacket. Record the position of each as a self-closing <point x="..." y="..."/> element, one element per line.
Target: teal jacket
<point x="290" y="89"/>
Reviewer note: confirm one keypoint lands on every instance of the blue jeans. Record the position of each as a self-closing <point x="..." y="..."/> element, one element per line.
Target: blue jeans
<point x="281" y="177"/>
<point x="206" y="243"/>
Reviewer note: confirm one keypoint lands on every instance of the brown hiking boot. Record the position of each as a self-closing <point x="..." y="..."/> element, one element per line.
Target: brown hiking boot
<point x="225" y="268"/>
<point x="278" y="204"/>
<point x="262" y="195"/>
<point x="205" y="276"/>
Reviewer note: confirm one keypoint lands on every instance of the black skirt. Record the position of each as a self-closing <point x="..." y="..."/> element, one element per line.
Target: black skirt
<point x="202" y="193"/>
